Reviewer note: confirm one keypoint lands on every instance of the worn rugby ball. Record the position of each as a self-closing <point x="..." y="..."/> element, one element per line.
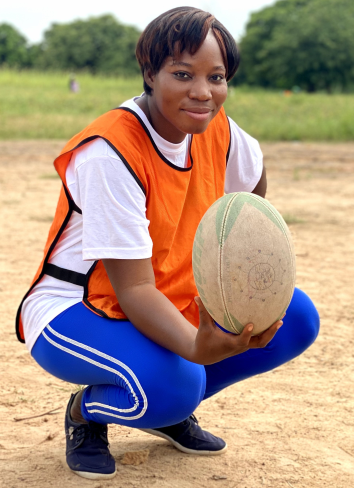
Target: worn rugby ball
<point x="244" y="262"/>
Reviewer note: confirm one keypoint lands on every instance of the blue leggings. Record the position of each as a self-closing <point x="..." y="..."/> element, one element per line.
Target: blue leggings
<point x="135" y="382"/>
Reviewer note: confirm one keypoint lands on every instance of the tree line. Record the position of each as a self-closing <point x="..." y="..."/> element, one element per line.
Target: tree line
<point x="307" y="44"/>
<point x="99" y="45"/>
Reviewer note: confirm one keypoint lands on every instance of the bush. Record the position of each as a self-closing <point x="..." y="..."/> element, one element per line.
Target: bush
<point x="97" y="45"/>
<point x="307" y="43"/>
<point x="13" y="47"/>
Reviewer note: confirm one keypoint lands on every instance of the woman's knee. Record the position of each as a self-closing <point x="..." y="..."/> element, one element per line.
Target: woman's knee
<point x="175" y="395"/>
<point x="304" y="319"/>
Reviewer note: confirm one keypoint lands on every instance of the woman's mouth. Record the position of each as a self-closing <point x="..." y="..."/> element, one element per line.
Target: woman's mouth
<point x="197" y="115"/>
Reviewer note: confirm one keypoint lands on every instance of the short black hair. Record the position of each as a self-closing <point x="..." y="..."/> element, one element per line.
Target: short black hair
<point x="180" y="29"/>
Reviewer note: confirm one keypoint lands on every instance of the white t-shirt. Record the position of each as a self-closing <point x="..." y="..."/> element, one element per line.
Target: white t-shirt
<point x="113" y="223"/>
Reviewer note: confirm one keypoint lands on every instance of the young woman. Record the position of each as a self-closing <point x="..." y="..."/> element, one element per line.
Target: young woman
<point x="113" y="304"/>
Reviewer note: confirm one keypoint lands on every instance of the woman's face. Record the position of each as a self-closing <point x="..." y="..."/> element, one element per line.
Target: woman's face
<point x="188" y="92"/>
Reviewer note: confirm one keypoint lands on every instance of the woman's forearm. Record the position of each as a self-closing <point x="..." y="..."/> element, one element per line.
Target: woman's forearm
<point x="158" y="319"/>
<point x="147" y="308"/>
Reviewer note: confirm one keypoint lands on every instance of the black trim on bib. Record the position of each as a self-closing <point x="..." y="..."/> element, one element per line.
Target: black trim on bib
<point x="85" y="300"/>
<point x="165" y="160"/>
<point x="64" y="274"/>
<point x="72" y="204"/>
<point x="228" y="149"/>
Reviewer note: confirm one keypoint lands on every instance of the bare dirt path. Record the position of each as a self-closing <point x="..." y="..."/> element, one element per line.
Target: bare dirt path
<point x="293" y="427"/>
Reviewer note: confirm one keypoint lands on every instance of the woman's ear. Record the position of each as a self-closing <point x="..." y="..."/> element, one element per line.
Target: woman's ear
<point x="149" y="78"/>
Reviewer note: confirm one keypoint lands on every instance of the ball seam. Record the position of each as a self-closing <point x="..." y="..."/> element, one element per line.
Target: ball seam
<point x="221" y="261"/>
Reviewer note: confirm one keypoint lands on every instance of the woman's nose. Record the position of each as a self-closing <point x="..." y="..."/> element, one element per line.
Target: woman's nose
<point x="200" y="90"/>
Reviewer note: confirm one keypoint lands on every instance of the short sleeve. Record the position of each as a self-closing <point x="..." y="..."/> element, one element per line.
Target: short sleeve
<point x="113" y="206"/>
<point x="245" y="164"/>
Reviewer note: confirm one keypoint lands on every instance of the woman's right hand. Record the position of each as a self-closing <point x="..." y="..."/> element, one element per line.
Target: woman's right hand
<point x="212" y="345"/>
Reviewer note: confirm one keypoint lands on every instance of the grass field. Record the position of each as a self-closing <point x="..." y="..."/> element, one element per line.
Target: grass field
<point x="39" y="106"/>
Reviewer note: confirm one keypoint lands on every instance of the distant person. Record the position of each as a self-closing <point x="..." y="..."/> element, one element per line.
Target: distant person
<point x="113" y="304"/>
<point x="74" y="86"/>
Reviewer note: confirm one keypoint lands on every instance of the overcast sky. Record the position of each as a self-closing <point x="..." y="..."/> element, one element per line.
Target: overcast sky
<point x="33" y="17"/>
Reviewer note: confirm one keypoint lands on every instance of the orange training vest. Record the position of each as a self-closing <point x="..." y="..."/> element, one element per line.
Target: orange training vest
<point x="176" y="200"/>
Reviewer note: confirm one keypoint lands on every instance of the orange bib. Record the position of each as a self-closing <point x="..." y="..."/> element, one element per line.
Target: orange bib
<point x="176" y="200"/>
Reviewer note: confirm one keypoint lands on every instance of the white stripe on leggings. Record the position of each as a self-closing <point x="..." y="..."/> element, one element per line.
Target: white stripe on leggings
<point x="109" y="358"/>
<point x="96" y="404"/>
<point x="110" y="414"/>
<point x="103" y="366"/>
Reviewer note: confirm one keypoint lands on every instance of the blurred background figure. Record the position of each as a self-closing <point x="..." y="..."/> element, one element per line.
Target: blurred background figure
<point x="74" y="86"/>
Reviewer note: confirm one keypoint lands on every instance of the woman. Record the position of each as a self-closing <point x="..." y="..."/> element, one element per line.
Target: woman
<point x="113" y="303"/>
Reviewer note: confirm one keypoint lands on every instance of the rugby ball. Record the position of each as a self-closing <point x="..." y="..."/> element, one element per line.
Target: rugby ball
<point x="244" y="262"/>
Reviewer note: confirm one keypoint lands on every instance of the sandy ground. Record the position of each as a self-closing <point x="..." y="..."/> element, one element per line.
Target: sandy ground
<point x="293" y="427"/>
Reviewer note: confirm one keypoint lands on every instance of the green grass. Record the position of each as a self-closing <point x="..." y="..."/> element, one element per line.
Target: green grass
<point x="39" y="105"/>
<point x="36" y="105"/>
<point x="272" y="116"/>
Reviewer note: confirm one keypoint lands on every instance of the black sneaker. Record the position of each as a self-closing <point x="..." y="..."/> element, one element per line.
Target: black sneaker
<point x="188" y="437"/>
<point x="87" y="448"/>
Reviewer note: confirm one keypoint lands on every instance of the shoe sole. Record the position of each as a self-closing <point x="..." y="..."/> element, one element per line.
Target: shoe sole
<point x="182" y="448"/>
<point x="94" y="476"/>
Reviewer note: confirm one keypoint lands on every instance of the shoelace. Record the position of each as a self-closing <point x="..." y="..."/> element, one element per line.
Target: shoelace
<point x="187" y="422"/>
<point x="194" y="418"/>
<point x="93" y="431"/>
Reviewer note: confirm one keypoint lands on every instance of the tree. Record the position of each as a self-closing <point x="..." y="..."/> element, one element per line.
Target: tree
<point x="13" y="47"/>
<point x="99" y="45"/>
<point x="309" y="43"/>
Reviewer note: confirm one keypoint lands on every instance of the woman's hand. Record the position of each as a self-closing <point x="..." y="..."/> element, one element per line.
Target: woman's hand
<point x="212" y="345"/>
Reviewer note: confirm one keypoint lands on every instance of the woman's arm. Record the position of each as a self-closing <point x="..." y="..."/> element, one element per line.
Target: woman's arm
<point x="261" y="187"/>
<point x="245" y="170"/>
<point x="147" y="308"/>
<point x="158" y="319"/>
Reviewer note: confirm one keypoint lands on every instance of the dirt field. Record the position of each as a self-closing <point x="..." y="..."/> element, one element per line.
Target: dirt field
<point x="293" y="427"/>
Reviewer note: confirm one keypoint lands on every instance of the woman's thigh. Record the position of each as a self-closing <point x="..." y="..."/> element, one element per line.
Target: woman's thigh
<point x="132" y="380"/>
<point x="299" y="331"/>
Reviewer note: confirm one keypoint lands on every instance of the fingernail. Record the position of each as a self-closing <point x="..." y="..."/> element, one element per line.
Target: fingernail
<point x="280" y="324"/>
<point x="250" y="328"/>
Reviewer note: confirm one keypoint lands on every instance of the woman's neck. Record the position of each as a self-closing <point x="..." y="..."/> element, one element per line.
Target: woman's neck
<point x="144" y="103"/>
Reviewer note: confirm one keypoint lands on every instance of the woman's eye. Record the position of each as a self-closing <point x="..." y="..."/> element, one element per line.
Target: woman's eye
<point x="180" y="74"/>
<point x="217" y="77"/>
